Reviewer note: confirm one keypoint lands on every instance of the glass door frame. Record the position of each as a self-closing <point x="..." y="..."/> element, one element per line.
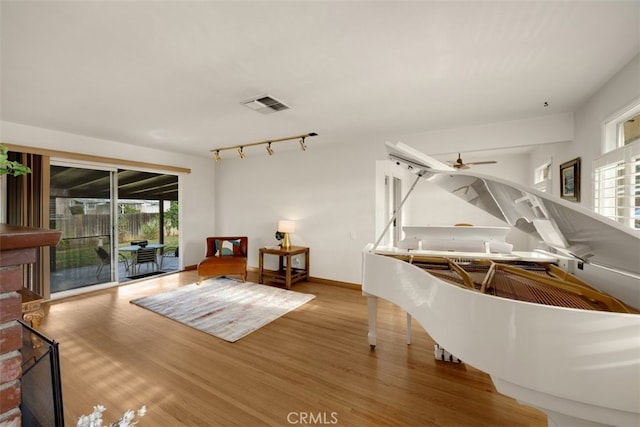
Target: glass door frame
<point x="113" y="226"/>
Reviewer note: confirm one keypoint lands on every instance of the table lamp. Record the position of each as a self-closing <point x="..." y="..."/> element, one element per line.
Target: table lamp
<point x="286" y="227"/>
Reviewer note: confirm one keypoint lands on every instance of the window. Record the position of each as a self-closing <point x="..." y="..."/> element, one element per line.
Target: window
<point x="617" y="171"/>
<point x="542" y="178"/>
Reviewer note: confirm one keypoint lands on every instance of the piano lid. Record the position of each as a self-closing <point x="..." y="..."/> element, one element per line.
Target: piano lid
<point x="568" y="228"/>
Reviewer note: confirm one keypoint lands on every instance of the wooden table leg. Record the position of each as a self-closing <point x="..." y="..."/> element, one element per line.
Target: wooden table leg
<point x="260" y="267"/>
<point x="288" y="274"/>
<point x="306" y="265"/>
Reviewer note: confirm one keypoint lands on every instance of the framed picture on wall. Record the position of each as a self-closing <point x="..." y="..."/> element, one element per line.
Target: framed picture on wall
<point x="570" y="180"/>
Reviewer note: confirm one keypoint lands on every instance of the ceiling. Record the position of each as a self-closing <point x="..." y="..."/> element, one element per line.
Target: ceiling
<point x="172" y="75"/>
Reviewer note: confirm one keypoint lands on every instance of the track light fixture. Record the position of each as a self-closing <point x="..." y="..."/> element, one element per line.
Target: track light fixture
<point x="240" y="148"/>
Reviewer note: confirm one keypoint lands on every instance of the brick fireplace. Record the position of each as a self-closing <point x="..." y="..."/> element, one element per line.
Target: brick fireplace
<point x="18" y="246"/>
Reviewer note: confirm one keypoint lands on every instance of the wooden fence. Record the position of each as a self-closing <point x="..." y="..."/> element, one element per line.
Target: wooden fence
<point x="133" y="225"/>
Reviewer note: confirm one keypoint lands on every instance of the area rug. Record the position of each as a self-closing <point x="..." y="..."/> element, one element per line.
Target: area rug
<point x="225" y="308"/>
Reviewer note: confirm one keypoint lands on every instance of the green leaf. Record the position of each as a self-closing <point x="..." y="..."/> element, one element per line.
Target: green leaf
<point x="8" y="167"/>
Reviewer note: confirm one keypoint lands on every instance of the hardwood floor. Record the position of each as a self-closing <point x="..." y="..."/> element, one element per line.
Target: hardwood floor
<point x="312" y="366"/>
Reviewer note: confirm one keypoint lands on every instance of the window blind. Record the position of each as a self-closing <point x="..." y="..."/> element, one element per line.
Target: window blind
<point x="617" y="184"/>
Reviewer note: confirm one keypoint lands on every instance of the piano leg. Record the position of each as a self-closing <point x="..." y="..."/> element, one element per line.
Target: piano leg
<point x="408" y="328"/>
<point x="372" y="303"/>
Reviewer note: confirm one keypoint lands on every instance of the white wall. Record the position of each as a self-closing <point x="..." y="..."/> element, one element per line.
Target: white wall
<point x="330" y="190"/>
<point x="195" y="188"/>
<point x="434" y="206"/>
<point x="617" y="93"/>
<point x="327" y="190"/>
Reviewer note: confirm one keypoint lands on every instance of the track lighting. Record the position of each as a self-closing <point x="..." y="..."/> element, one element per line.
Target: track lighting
<point x="240" y="148"/>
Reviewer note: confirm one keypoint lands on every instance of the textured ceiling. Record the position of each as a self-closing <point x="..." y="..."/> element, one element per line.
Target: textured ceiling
<point x="172" y="75"/>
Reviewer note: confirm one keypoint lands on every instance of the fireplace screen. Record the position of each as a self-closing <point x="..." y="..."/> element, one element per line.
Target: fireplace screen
<point x="41" y="400"/>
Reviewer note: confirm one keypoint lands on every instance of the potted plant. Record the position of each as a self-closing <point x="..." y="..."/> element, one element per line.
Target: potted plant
<point x="8" y="167"/>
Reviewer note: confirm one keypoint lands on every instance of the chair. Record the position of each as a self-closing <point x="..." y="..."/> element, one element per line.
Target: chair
<point x="105" y="259"/>
<point x="125" y="261"/>
<point x="145" y="256"/>
<point x="169" y="252"/>
<point x="225" y="256"/>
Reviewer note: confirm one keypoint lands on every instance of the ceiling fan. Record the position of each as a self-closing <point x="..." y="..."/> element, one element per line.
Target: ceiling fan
<point x="459" y="164"/>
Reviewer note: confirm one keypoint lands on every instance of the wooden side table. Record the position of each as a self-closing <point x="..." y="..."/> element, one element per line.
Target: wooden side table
<point x="285" y="273"/>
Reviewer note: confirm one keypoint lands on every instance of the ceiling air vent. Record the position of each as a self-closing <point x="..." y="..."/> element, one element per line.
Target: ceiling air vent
<point x="265" y="104"/>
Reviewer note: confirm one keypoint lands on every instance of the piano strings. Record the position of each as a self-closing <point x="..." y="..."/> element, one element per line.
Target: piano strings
<point x="540" y="283"/>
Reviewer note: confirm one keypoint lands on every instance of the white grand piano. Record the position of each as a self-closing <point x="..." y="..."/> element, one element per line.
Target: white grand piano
<point x="556" y="328"/>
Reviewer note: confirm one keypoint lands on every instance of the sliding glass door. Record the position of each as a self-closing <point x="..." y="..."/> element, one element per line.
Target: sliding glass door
<point x="109" y="219"/>
<point x="82" y="201"/>
<point x="147" y="214"/>
<point x="100" y="210"/>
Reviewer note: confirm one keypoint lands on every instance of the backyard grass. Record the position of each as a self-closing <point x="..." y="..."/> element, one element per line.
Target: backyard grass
<point x="76" y="254"/>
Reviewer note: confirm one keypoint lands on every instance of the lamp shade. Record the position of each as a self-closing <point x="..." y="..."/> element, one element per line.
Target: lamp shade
<point x="285" y="226"/>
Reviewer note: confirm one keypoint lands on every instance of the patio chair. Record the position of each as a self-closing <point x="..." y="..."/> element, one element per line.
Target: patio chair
<point x="105" y="259"/>
<point x="145" y="256"/>
<point x="168" y="252"/>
